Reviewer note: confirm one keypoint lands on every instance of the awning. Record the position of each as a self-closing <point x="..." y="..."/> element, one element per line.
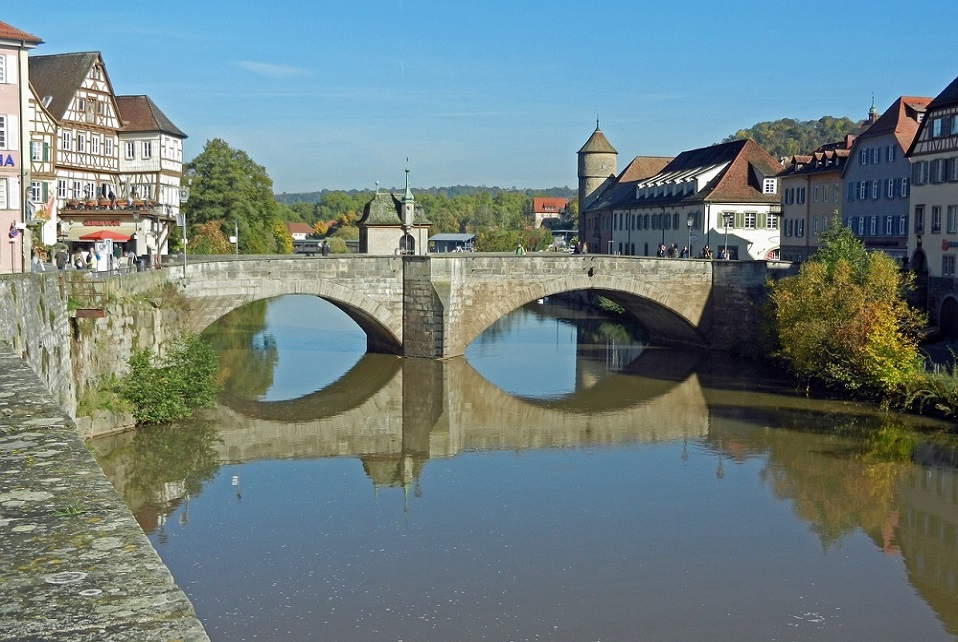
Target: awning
<point x="76" y="231"/>
<point x="103" y="235"/>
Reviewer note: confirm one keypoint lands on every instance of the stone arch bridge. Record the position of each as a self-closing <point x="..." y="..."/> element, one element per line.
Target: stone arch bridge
<point x="434" y="306"/>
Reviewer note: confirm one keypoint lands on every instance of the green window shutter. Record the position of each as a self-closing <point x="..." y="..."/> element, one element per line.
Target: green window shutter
<point x="739" y="220"/>
<point x="46" y="191"/>
<point x="761" y="221"/>
<point x="46" y="151"/>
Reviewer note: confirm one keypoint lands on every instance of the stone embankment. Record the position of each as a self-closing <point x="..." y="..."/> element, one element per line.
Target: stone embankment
<point x="74" y="564"/>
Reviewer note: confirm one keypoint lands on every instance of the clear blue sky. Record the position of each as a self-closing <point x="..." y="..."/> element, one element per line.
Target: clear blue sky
<point x="337" y="94"/>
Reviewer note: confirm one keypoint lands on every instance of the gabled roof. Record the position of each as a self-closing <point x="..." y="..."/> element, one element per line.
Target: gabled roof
<point x="623" y="186"/>
<point x="386" y="209"/>
<point x="11" y="33"/>
<point x="947" y="98"/>
<point x="59" y="76"/>
<point x="140" y="114"/>
<point x="597" y="143"/>
<point x="739" y="168"/>
<point x="830" y="157"/>
<point x="900" y="119"/>
<point x="742" y="180"/>
<point x="299" y="228"/>
<point x="541" y="203"/>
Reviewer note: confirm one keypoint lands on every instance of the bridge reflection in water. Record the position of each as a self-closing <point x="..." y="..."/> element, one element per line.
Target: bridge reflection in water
<point x="387" y="407"/>
<point x="395" y="415"/>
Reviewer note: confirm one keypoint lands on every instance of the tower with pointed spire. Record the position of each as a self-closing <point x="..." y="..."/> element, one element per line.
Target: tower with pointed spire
<point x="598" y="162"/>
<point x="872" y="112"/>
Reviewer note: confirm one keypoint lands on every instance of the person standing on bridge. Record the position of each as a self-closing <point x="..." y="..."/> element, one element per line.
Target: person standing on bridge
<point x="520" y="251"/>
<point x="325" y="249"/>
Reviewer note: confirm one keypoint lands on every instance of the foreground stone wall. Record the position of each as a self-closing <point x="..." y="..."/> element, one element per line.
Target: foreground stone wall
<point x="35" y="325"/>
<point x="74" y="331"/>
<point x="74" y="564"/>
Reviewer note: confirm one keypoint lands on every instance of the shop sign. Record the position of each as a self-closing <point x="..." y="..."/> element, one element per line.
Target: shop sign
<point x="945" y="244"/>
<point x="7" y="161"/>
<point x="96" y="223"/>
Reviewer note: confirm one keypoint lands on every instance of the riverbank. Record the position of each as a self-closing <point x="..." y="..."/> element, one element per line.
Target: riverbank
<point x="74" y="564"/>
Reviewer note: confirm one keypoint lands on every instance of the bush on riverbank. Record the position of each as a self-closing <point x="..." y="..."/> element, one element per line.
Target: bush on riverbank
<point x="843" y="323"/>
<point x="171" y="387"/>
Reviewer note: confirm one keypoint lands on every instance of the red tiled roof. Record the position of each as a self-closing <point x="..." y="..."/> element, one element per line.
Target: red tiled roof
<point x="140" y="114"/>
<point x="8" y="32"/>
<point x="737" y="183"/>
<point x="899" y="119"/>
<point x="548" y="203"/>
<point x="299" y="228"/>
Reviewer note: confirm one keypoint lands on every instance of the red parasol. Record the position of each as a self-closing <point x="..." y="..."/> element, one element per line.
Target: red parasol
<point x="102" y="235"/>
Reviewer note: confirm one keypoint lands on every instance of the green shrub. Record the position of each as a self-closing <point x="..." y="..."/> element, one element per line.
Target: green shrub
<point x="172" y="387"/>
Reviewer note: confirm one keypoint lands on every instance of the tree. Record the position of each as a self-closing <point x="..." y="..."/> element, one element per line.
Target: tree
<point x="208" y="238"/>
<point x="228" y="187"/>
<point x="843" y="320"/>
<point x="787" y="137"/>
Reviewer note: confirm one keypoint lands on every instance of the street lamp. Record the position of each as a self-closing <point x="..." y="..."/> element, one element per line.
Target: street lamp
<point x="690" y="221"/>
<point x="181" y="215"/>
<point x="727" y="218"/>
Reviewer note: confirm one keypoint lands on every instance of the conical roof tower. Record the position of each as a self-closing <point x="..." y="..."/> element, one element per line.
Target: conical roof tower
<point x="598" y="162"/>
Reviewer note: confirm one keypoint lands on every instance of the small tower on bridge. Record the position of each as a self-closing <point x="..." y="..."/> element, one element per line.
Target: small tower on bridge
<point x="393" y="225"/>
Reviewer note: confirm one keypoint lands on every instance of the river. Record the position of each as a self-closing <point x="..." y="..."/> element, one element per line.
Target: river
<point x="562" y="481"/>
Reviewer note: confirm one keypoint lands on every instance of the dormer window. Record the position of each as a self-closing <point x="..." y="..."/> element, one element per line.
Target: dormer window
<point x="770" y="186"/>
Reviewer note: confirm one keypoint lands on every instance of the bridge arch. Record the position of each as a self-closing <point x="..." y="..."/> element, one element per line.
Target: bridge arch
<point x="671" y="303"/>
<point x="367" y="289"/>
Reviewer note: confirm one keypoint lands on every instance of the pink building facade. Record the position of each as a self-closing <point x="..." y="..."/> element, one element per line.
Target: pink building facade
<point x="14" y="166"/>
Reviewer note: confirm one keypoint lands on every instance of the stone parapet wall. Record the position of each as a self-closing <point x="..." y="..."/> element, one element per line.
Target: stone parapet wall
<point x="35" y="324"/>
<point x="74" y="331"/>
<point x="74" y="564"/>
<point x="939" y="289"/>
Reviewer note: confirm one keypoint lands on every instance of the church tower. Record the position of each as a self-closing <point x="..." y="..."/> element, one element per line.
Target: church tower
<point x="598" y="161"/>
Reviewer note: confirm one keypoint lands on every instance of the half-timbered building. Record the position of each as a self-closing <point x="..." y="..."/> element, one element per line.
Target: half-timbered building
<point x="151" y="152"/>
<point x="117" y="172"/>
<point x="933" y="233"/>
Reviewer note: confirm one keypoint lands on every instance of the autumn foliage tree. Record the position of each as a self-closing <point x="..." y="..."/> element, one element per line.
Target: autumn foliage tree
<point x="843" y="321"/>
<point x="229" y="191"/>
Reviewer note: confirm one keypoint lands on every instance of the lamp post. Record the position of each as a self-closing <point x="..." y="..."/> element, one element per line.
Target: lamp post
<point x="182" y="221"/>
<point x="690" y="221"/>
<point x="184" y="197"/>
<point x="727" y="218"/>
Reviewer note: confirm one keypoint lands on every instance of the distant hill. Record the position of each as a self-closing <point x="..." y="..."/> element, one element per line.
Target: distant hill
<point x="449" y="192"/>
<point x="787" y="137"/>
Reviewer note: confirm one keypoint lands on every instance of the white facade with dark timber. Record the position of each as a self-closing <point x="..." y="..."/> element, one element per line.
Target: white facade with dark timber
<point x="933" y="233"/>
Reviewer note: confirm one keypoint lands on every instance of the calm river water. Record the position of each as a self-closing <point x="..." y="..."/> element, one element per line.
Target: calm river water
<point x="560" y="482"/>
